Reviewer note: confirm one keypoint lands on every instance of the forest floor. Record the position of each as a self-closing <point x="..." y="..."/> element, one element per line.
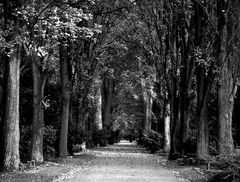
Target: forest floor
<point x="125" y="162"/>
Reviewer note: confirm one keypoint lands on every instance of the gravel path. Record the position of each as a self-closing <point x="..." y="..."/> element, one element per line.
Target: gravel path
<point x="125" y="162"/>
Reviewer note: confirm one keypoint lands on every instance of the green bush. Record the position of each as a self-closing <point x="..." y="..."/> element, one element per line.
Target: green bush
<point x="152" y="140"/>
<point x="228" y="167"/>
<point x="49" y="141"/>
<point x="114" y="137"/>
<point x="190" y="146"/>
<point x="25" y="143"/>
<point x="80" y="136"/>
<point x="101" y="137"/>
<point x="129" y="135"/>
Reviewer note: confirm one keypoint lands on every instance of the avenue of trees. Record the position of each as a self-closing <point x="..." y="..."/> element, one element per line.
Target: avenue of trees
<point x="96" y="71"/>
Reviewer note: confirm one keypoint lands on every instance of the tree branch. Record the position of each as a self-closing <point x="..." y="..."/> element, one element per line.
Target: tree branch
<point x="35" y="19"/>
<point x="207" y="15"/>
<point x="110" y="12"/>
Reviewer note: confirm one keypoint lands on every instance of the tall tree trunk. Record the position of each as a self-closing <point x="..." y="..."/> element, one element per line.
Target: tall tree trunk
<point x="186" y="72"/>
<point x="184" y="120"/>
<point x="11" y="118"/>
<point x="98" y="100"/>
<point x="65" y="90"/>
<point x="203" y="89"/>
<point x="174" y="96"/>
<point x="225" y="106"/>
<point x="203" y="134"/>
<point x="148" y="112"/>
<point x="204" y="80"/>
<point x="39" y="81"/>
<point x="186" y="75"/>
<point x="226" y="89"/>
<point x="1" y="101"/>
<point x="184" y="110"/>
<point x="81" y="123"/>
<point x="1" y="126"/>
<point x="147" y="97"/>
<point x="2" y="109"/>
<point x="167" y="127"/>
<point x="175" y="141"/>
<point x="174" y="90"/>
<point x="108" y="102"/>
<point x="71" y="127"/>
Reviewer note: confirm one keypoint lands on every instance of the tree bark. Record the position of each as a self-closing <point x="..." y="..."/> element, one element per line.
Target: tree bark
<point x="226" y="87"/>
<point x="2" y="108"/>
<point x="174" y="96"/>
<point x="1" y="126"/>
<point x="65" y="90"/>
<point x="71" y="127"/>
<point x="203" y="134"/>
<point x="174" y="127"/>
<point x="167" y="127"/>
<point x="148" y="112"/>
<point x="108" y="102"/>
<point x="225" y="106"/>
<point x="1" y="102"/>
<point x="147" y="97"/>
<point x="187" y="71"/>
<point x="11" y="119"/>
<point x="173" y="92"/>
<point x="39" y="81"/>
<point x="81" y="123"/>
<point x="98" y="100"/>
<point x="204" y="80"/>
<point x="203" y="90"/>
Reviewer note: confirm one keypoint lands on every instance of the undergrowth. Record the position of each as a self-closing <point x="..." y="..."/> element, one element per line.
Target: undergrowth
<point x="152" y="140"/>
<point x="227" y="169"/>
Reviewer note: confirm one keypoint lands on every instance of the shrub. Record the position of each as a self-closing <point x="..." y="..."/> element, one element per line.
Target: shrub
<point x="49" y="141"/>
<point x="190" y="146"/>
<point x="25" y="143"/>
<point x="152" y="140"/>
<point x="129" y="135"/>
<point x="101" y="137"/>
<point x="80" y="136"/>
<point x="114" y="137"/>
<point x="229" y="169"/>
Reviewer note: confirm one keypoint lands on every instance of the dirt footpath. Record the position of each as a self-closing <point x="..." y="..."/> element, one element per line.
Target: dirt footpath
<point x="123" y="162"/>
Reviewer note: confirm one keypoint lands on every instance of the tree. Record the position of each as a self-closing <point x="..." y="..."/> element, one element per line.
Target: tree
<point x="167" y="128"/>
<point x="205" y="73"/>
<point x="11" y="118"/>
<point x="3" y="91"/>
<point x="108" y="90"/>
<point x="98" y="102"/>
<point x="228" y="55"/>
<point x="39" y="81"/>
<point x="38" y="45"/>
<point x="148" y="101"/>
<point x="67" y="28"/>
<point x="65" y="90"/>
<point x="11" y="133"/>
